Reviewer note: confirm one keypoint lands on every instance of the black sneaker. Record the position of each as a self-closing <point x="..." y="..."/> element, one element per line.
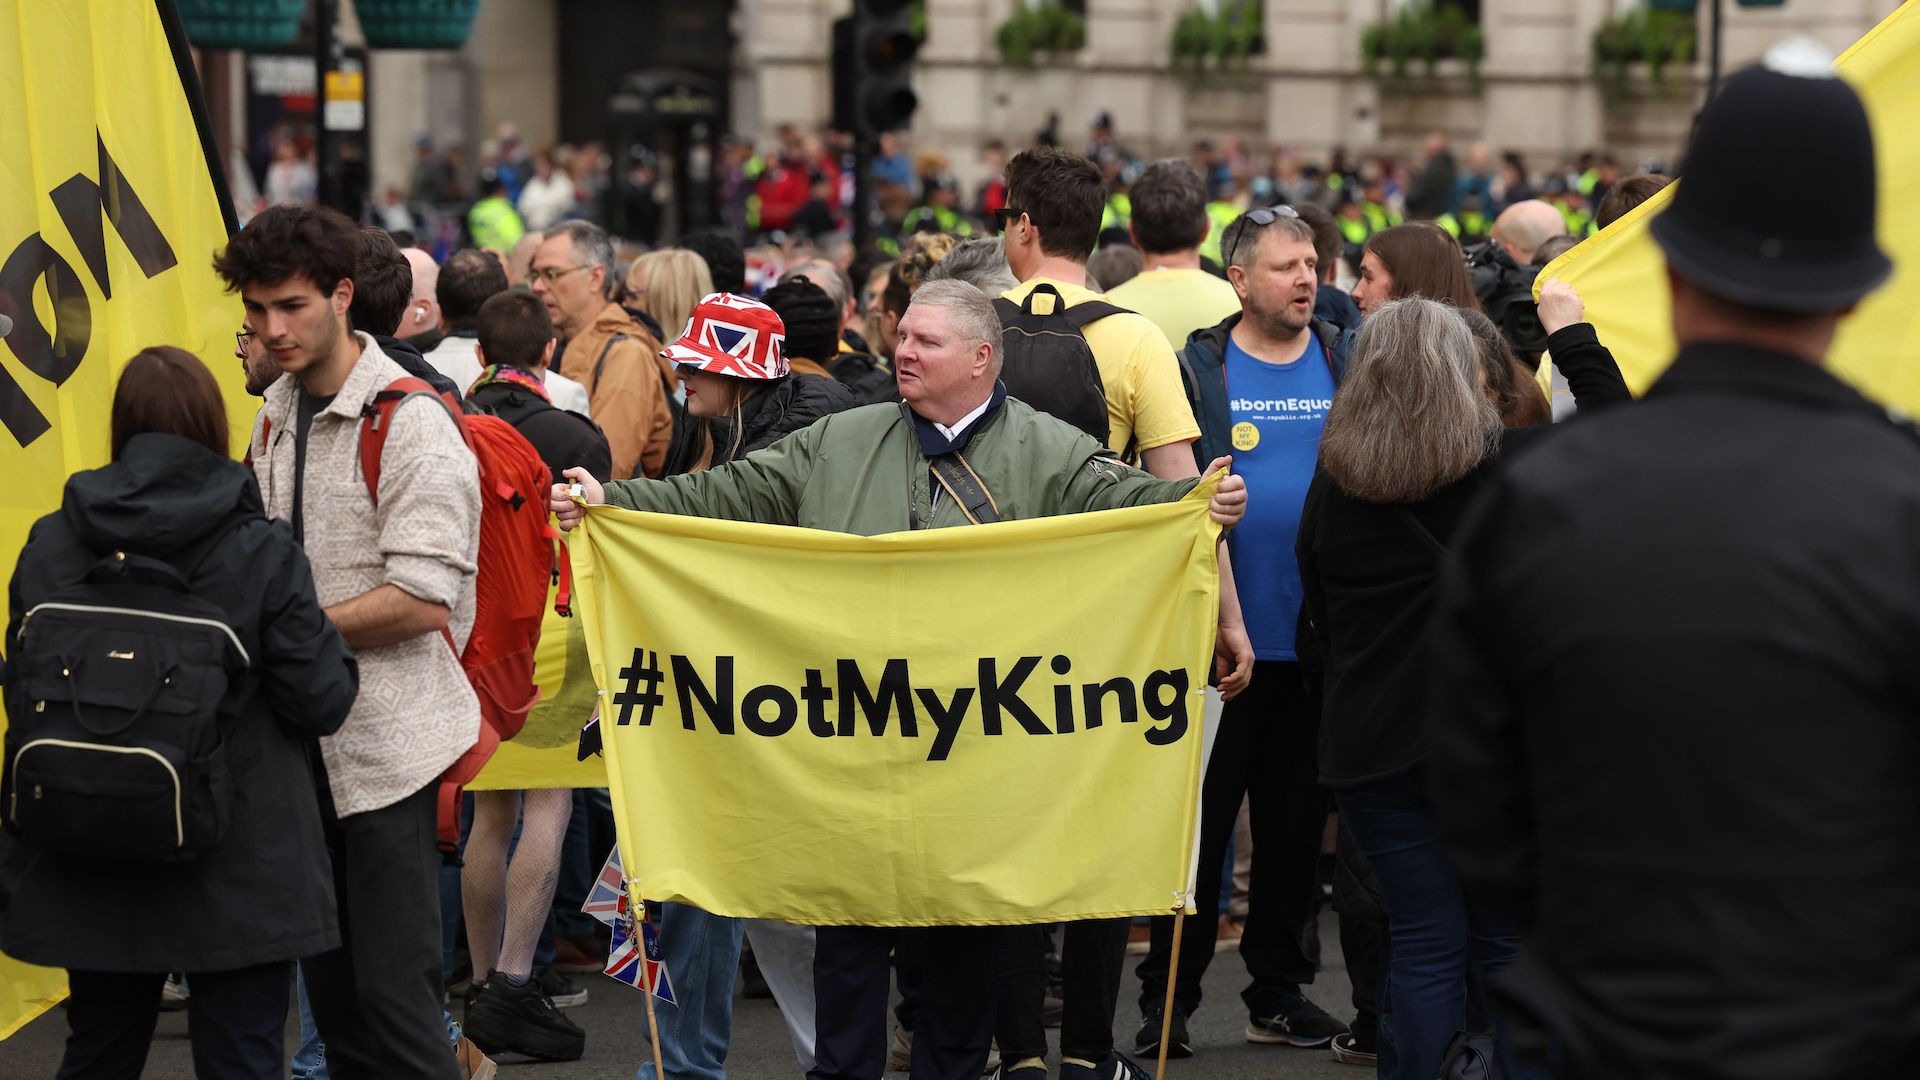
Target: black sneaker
<point x="1297" y="1022"/>
<point x="1147" y="1042"/>
<point x="565" y="993"/>
<point x="508" y="1019"/>
<point x="1117" y="1066"/>
<point x="1348" y="1051"/>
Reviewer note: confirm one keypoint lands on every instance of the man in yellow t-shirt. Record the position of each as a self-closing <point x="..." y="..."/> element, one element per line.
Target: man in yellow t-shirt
<point x="1169" y="224"/>
<point x="1051" y="222"/>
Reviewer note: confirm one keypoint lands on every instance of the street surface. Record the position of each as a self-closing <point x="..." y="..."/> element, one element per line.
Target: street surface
<point x="615" y="1020"/>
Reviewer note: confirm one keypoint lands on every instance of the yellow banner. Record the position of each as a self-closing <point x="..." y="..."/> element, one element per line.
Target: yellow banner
<point x="545" y="754"/>
<point x="1621" y="273"/>
<point x="109" y="219"/>
<point x="984" y="725"/>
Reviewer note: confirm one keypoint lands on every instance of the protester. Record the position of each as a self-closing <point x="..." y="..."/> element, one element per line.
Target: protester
<point x="1282" y="365"/>
<point x="396" y="583"/>
<point x="235" y="918"/>
<point x="471" y="278"/>
<point x="849" y="473"/>
<point x="667" y="285"/>
<point x="1412" y="436"/>
<point x="1331" y="303"/>
<point x="1416" y="259"/>
<point x="1054" y="205"/>
<point x="1627" y="194"/>
<point x="738" y="403"/>
<point x="504" y="899"/>
<point x="382" y="290"/>
<point x="1734" y="650"/>
<point x="1522" y="227"/>
<point x="629" y="386"/>
<point x="1555" y="248"/>
<point x="1169" y="223"/>
<point x="845" y="357"/>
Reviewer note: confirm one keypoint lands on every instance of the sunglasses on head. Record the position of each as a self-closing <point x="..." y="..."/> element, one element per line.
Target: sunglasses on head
<point x="1257" y="219"/>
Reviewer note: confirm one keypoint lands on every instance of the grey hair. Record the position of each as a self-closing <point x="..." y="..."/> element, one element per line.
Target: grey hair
<point x="970" y="309"/>
<point x="1411" y="416"/>
<point x="980" y="262"/>
<point x="829" y="277"/>
<point x="1241" y="241"/>
<point x="591" y="247"/>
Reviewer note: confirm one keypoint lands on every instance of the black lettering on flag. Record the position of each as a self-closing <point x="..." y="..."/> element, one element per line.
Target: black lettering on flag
<point x="894" y="698"/>
<point x="1173" y="711"/>
<point x="718" y="705"/>
<point x="996" y="695"/>
<point x="81" y="204"/>
<point x="1092" y="695"/>
<point x="785" y="710"/>
<point x="946" y="718"/>
<point x="816" y="693"/>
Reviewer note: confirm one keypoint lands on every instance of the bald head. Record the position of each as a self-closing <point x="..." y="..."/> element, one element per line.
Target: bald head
<point x="423" y="310"/>
<point x="1524" y="226"/>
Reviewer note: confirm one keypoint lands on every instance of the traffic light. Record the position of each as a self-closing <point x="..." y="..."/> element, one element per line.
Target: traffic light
<point x="873" y="67"/>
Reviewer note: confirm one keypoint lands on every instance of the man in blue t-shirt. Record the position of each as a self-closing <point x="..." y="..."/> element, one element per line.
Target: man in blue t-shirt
<point x="1260" y="384"/>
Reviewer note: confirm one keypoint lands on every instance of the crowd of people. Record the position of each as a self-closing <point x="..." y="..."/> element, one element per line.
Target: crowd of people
<point x="1609" y="718"/>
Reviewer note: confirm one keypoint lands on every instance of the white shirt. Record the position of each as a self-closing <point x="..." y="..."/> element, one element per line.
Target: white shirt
<point x="455" y="358"/>
<point x="963" y="423"/>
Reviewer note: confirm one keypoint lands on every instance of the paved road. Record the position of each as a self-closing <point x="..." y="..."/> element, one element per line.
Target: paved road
<point x="615" y="1020"/>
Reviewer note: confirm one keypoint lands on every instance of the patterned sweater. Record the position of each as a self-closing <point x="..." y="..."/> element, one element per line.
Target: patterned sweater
<point x="416" y="712"/>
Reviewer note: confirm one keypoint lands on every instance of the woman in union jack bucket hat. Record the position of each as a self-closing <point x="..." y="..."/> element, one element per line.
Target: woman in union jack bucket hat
<point x="741" y="391"/>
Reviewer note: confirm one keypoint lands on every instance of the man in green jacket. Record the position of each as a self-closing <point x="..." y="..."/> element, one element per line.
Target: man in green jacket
<point x="873" y="470"/>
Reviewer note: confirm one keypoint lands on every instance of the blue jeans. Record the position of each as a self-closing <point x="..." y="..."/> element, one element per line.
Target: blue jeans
<point x="1441" y="947"/>
<point x="702" y="953"/>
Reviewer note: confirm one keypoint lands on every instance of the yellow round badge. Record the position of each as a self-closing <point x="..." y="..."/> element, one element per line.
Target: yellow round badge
<point x="1246" y="436"/>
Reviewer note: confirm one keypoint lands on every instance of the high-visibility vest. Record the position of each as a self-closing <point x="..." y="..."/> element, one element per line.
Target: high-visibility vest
<point x="1118" y="213"/>
<point x="1221" y="214"/>
<point x="1354" y="230"/>
<point x="1449" y="223"/>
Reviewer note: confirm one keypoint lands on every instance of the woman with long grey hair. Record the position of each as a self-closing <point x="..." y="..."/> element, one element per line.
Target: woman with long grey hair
<point x="1408" y="441"/>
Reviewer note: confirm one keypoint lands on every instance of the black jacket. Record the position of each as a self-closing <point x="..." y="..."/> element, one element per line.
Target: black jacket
<point x="563" y="439"/>
<point x="1368" y="573"/>
<point x="1677" y="725"/>
<point x="871" y="381"/>
<point x="781" y="408"/>
<point x="407" y="356"/>
<point x="1203" y="372"/>
<point x="265" y="892"/>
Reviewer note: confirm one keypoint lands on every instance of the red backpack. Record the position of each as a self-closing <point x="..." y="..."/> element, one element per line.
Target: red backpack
<point x="517" y="561"/>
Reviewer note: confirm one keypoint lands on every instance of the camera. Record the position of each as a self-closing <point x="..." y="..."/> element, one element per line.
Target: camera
<point x="1505" y="290"/>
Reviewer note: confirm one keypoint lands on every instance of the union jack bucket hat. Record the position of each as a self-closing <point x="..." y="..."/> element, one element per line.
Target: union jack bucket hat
<point x="732" y="335"/>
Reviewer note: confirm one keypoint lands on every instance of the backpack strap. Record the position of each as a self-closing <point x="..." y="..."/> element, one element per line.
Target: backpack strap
<point x="1091" y="311"/>
<point x="600" y="365"/>
<point x="966" y="487"/>
<point x="377" y="418"/>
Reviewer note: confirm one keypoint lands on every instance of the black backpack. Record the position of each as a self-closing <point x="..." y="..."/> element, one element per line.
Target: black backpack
<point x="1048" y="363"/>
<point x="116" y="697"/>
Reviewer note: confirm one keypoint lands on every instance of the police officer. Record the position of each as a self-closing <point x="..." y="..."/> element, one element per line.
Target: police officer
<point x="1677" y="691"/>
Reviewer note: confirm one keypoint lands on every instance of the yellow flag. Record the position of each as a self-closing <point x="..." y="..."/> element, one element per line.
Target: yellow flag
<point x="1621" y="273"/>
<point x="983" y="725"/>
<point x="110" y="213"/>
<point x="545" y="753"/>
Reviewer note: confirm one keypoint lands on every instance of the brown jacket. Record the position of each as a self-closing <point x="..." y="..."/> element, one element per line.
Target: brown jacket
<point x="631" y="393"/>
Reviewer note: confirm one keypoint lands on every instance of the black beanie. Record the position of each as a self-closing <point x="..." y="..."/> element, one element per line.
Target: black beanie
<point x="813" y="323"/>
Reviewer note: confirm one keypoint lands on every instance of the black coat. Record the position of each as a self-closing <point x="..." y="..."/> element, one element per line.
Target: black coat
<point x="777" y="410"/>
<point x="1678" y="725"/>
<point x="1368" y="573"/>
<point x="265" y="891"/>
<point x="563" y="439"/>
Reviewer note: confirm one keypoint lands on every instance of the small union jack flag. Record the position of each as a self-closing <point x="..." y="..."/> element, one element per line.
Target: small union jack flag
<point x="733" y="335"/>
<point x="608" y="899"/>
<point x="638" y="961"/>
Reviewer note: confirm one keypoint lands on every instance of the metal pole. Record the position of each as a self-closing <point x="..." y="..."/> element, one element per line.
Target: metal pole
<point x="863" y="146"/>
<point x="326" y="47"/>
<point x="1713" y="61"/>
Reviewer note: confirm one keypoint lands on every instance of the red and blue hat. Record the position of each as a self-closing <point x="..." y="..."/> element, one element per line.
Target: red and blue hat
<point x="732" y="335"/>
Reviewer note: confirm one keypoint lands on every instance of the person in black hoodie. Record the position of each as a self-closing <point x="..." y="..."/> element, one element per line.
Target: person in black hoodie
<point x="1412" y="436"/>
<point x="382" y="290"/>
<point x="742" y="396"/>
<point x="236" y="917"/>
<point x="742" y="393"/>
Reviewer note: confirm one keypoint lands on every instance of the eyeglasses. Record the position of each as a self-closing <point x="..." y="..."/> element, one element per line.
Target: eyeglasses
<point x="241" y="339"/>
<point x="1006" y="216"/>
<point x="551" y="275"/>
<point x="1257" y="219"/>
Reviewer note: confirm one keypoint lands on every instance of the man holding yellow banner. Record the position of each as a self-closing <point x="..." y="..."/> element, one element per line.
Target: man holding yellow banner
<point x="872" y="802"/>
<point x="1676" y="651"/>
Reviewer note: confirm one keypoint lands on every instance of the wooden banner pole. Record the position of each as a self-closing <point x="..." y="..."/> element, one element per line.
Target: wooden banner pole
<point x="1173" y="977"/>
